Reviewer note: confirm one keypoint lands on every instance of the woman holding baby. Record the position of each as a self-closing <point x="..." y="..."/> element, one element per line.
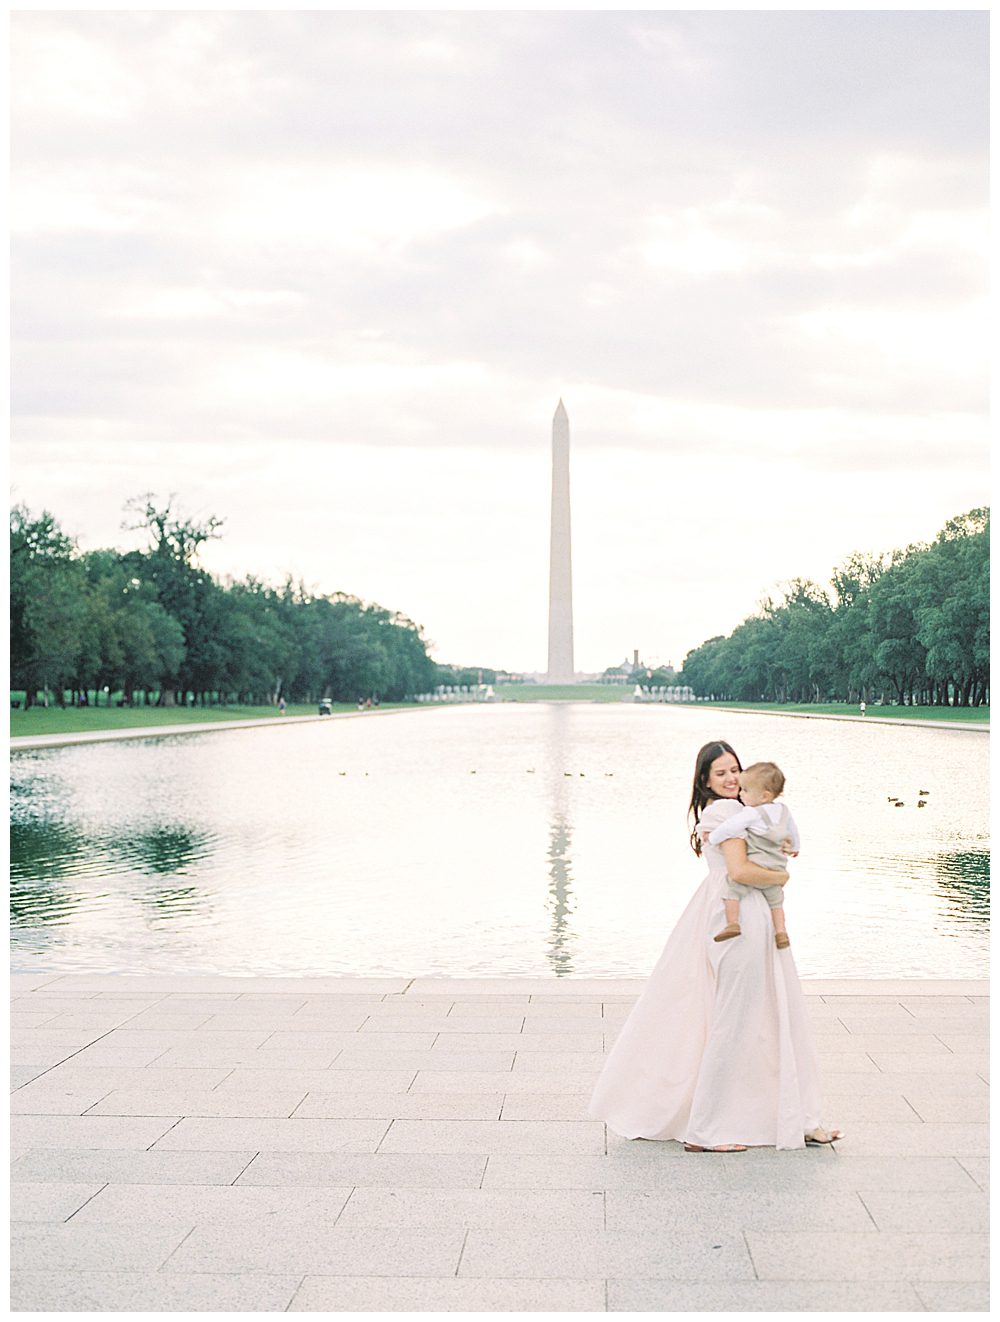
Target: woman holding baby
<point x="717" y="1052"/>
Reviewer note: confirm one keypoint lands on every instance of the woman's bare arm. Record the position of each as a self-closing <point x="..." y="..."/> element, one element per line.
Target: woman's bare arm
<point x="745" y="873"/>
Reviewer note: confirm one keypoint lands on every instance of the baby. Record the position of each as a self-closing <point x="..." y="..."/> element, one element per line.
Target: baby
<point x="765" y="825"/>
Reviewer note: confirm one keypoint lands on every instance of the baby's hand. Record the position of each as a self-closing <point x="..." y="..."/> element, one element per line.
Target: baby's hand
<point x="786" y="848"/>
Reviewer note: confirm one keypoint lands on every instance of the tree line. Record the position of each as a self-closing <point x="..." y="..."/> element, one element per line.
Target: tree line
<point x="157" y="628"/>
<point x="907" y="626"/>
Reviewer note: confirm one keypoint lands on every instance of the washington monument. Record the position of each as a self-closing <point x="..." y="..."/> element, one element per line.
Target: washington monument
<point x="560" y="669"/>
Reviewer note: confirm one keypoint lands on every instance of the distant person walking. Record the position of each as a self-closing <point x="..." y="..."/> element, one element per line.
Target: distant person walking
<point x="717" y="1053"/>
<point x="862" y="709"/>
<point x="281" y="706"/>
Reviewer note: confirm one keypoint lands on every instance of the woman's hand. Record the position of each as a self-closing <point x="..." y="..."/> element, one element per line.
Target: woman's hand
<point x="745" y="873"/>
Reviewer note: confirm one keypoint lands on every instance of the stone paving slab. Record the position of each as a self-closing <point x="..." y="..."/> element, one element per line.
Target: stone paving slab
<point x="393" y="1144"/>
<point x="942" y="1062"/>
<point x="597" y="1172"/>
<point x="643" y="1296"/>
<point x="850" y="1107"/>
<point x="917" y="1210"/>
<point x="343" y="1023"/>
<point x="198" y="1204"/>
<point x="23" y="1072"/>
<point x="534" y="1081"/>
<point x="949" y="1108"/>
<point x="24" y="1019"/>
<point x="52" y="1202"/>
<point x="676" y="1211"/>
<point x="887" y="1256"/>
<point x="201" y="1103"/>
<point x="365" y="1170"/>
<point x="150" y="1292"/>
<point x="480" y="1208"/>
<point x="56" y="1166"/>
<point x="409" y="1106"/>
<point x="202" y="1055"/>
<point x="70" y="1038"/>
<point x="103" y="1079"/>
<point x="322" y="1249"/>
<point x="68" y="1246"/>
<point x="528" y="1137"/>
<point x="321" y="1081"/>
<point x="958" y="1082"/>
<point x="46" y="1096"/>
<point x="146" y="984"/>
<point x="381" y="1294"/>
<point x="951" y="1298"/>
<point x="978" y="1168"/>
<point x="920" y="1139"/>
<point x="222" y="1135"/>
<point x="67" y="1004"/>
<point x="131" y="1057"/>
<point x="546" y="1106"/>
<point x="79" y="1132"/>
<point x="685" y="1255"/>
<point x="590" y="1043"/>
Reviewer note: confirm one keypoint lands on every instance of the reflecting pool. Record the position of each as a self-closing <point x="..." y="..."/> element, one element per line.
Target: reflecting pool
<point x="521" y="839"/>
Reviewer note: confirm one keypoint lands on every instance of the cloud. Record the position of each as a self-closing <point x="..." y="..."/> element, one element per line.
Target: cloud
<point x="716" y="233"/>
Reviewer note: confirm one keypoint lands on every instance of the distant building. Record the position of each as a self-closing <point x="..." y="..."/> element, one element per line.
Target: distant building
<point x="622" y="673"/>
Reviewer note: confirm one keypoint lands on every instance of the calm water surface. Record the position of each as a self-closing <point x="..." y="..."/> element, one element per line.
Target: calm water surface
<point x="480" y="841"/>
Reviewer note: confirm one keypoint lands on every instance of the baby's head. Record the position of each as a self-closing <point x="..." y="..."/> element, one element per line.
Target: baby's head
<point x="761" y="783"/>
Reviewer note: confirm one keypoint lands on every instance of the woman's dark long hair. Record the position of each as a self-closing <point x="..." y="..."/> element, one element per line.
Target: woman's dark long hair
<point x="701" y="795"/>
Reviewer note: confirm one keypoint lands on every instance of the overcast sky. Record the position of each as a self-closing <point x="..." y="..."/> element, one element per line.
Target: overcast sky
<point x="326" y="276"/>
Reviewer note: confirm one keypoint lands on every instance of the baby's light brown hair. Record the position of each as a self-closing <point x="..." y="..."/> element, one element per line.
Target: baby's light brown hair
<point x="766" y="775"/>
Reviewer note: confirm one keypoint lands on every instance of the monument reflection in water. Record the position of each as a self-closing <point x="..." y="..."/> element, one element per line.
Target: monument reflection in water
<point x="366" y="846"/>
<point x="560" y="860"/>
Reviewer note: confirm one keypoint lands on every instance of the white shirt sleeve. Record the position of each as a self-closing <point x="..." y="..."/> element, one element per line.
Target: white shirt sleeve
<point x="735" y="827"/>
<point x="793" y="833"/>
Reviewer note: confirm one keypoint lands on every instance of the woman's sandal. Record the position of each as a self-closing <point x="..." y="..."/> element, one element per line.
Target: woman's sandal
<point x="813" y="1141"/>
<point x="725" y="1147"/>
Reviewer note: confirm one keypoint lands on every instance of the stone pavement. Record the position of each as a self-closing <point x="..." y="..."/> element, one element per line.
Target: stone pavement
<point x="381" y="1144"/>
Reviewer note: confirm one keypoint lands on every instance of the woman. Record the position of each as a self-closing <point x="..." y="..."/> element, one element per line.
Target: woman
<point x="717" y="1052"/>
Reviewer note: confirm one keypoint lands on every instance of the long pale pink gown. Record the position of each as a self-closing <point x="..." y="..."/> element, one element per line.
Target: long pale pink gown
<point x="718" y="1049"/>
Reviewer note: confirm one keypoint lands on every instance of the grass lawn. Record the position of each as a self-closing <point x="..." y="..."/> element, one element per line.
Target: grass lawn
<point x="76" y="720"/>
<point x="72" y="720"/>
<point x="963" y="715"/>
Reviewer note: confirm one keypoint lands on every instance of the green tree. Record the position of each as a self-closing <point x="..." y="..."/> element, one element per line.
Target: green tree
<point x="184" y="590"/>
<point x="915" y="620"/>
<point x="47" y="604"/>
<point x="952" y="608"/>
<point x="899" y="655"/>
